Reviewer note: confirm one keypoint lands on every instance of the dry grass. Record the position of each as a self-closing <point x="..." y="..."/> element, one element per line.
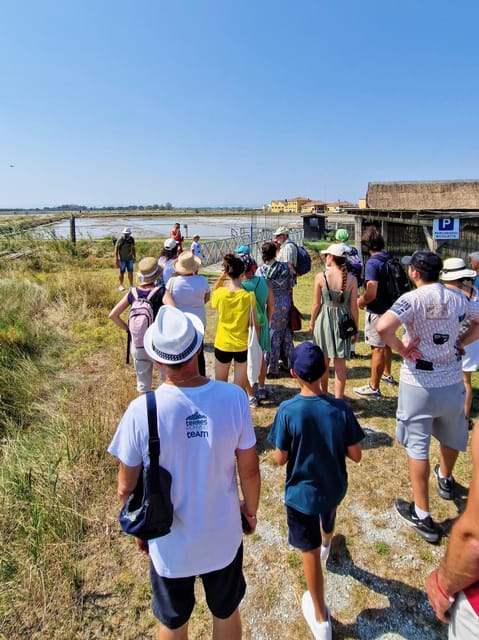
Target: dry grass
<point x="377" y="567"/>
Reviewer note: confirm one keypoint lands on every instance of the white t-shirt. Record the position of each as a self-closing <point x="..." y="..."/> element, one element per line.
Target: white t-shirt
<point x="288" y="253"/>
<point x="432" y="314"/>
<point x="200" y="429"/>
<point x="189" y="294"/>
<point x="196" y="249"/>
<point x="167" y="266"/>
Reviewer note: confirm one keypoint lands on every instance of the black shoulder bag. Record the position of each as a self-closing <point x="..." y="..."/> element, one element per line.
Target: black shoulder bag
<point x="148" y="511"/>
<point x="346" y="324"/>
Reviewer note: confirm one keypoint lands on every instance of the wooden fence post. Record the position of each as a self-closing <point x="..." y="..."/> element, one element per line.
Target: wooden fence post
<point x="72" y="229"/>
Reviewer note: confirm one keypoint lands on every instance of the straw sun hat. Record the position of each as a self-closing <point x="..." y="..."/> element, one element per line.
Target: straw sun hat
<point x="148" y="270"/>
<point x="186" y="263"/>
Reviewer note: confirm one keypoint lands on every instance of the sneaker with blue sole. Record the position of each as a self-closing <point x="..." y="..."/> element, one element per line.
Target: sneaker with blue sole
<point x="367" y="391"/>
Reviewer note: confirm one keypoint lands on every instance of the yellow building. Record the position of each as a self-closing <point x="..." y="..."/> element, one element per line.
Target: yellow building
<point x="288" y="206"/>
<point x="313" y="206"/>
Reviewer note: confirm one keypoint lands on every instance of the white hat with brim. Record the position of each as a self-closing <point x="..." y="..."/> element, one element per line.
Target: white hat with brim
<point x="126" y="231"/>
<point x="174" y="337"/>
<point x="338" y="249"/>
<point x="455" y="269"/>
<point x="281" y="231"/>
<point x="186" y="263"/>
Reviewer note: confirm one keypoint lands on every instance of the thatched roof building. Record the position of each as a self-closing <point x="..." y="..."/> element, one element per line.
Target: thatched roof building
<point x="446" y="194"/>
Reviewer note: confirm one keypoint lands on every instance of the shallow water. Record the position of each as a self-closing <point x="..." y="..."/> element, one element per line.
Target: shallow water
<point x="152" y="227"/>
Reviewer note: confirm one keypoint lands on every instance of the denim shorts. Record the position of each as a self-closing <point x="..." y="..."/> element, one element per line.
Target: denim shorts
<point x="304" y="531"/>
<point x="126" y="265"/>
<point x="174" y="598"/>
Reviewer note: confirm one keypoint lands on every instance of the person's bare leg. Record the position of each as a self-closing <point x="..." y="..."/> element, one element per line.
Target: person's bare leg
<point x="262" y="373"/>
<point x="229" y="628"/>
<point x="313" y="575"/>
<point x="388" y="356"/>
<point x="130" y="278"/>
<point x="325" y="377"/>
<point x="121" y="277"/>
<point x="240" y="376"/>
<point x="221" y="370"/>
<point x="447" y="460"/>
<point x="339" y="377"/>
<point x="377" y="366"/>
<point x="466" y="375"/>
<point x="419" y="476"/>
<point x="173" y="634"/>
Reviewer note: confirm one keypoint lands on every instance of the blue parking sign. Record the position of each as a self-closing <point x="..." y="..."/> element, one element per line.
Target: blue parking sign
<point x="445" y="229"/>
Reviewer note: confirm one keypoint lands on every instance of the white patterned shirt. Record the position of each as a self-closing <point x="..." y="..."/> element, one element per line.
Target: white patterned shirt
<point x="432" y="315"/>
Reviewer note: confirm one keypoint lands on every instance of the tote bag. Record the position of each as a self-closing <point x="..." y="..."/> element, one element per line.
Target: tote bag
<point x="255" y="352"/>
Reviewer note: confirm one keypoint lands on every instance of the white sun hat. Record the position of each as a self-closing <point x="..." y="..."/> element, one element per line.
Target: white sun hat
<point x="174" y="337"/>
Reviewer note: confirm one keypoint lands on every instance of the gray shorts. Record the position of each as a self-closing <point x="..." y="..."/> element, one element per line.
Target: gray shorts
<point x="371" y="336"/>
<point x="423" y="413"/>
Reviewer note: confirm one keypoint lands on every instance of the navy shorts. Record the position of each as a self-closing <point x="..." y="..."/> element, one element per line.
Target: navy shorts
<point x="304" y="531"/>
<point x="225" y="357"/>
<point x="174" y="598"/>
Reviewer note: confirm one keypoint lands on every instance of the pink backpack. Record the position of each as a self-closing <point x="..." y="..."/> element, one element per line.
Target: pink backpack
<point x="140" y="317"/>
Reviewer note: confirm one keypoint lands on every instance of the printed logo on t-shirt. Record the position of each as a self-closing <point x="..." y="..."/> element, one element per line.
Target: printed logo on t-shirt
<point x="437" y="311"/>
<point x="196" y="426"/>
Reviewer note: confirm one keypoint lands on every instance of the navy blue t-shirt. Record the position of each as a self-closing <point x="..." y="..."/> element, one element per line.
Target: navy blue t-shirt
<point x="374" y="270"/>
<point x="316" y="432"/>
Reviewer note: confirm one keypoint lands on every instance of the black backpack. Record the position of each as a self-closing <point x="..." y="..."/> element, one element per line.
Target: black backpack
<point x="396" y="281"/>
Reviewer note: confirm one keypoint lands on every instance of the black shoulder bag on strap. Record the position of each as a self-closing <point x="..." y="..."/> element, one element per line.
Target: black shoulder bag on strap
<point x="346" y="324"/>
<point x="148" y="511"/>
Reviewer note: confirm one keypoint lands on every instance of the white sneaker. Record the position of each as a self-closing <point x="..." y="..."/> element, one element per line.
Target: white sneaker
<point x="320" y="630"/>
<point x="325" y="553"/>
<point x="121" y="288"/>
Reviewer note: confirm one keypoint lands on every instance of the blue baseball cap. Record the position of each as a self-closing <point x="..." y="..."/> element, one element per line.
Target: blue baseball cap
<point x="243" y="249"/>
<point x="307" y="361"/>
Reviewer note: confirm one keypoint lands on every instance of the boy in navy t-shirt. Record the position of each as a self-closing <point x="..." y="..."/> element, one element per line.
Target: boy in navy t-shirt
<point x="313" y="433"/>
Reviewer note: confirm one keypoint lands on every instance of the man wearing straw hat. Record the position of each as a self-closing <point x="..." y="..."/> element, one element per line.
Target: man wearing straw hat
<point x="206" y="437"/>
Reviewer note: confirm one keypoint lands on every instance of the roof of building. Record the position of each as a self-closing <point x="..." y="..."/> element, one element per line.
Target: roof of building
<point x="414" y="195"/>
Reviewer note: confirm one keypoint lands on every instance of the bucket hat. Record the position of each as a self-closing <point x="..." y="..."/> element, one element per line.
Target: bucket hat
<point x="281" y="231"/>
<point x="174" y="337"/>
<point x="148" y="270"/>
<point x="455" y="269"/>
<point x="186" y="263"/>
<point x="126" y="231"/>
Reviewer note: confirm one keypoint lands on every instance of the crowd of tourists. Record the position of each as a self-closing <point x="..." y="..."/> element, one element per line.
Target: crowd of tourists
<point x="205" y="426"/>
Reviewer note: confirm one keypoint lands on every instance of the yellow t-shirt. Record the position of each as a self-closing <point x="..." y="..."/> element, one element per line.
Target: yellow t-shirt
<point x="234" y="312"/>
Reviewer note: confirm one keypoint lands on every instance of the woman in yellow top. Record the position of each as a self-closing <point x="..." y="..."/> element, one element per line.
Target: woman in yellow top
<point x="234" y="306"/>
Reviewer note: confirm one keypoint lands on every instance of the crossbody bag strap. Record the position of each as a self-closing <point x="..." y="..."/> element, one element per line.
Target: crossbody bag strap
<point x="153" y="436"/>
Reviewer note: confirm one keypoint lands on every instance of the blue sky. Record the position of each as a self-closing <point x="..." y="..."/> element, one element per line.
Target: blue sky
<point x="214" y="102"/>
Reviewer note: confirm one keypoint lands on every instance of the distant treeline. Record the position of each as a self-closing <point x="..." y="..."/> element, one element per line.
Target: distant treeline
<point x="167" y="206"/>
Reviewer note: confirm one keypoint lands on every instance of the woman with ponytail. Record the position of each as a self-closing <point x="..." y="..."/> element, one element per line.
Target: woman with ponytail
<point x="335" y="295"/>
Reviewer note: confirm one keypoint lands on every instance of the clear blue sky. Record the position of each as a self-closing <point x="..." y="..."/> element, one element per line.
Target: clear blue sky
<point x="211" y="102"/>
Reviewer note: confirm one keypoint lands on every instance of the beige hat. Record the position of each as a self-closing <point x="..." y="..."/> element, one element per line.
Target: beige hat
<point x="186" y="263"/>
<point x="281" y="231"/>
<point x="148" y="270"/>
<point x="338" y="249"/>
<point x="455" y="269"/>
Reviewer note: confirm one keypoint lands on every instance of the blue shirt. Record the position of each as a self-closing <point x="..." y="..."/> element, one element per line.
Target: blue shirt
<point x="316" y="432"/>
